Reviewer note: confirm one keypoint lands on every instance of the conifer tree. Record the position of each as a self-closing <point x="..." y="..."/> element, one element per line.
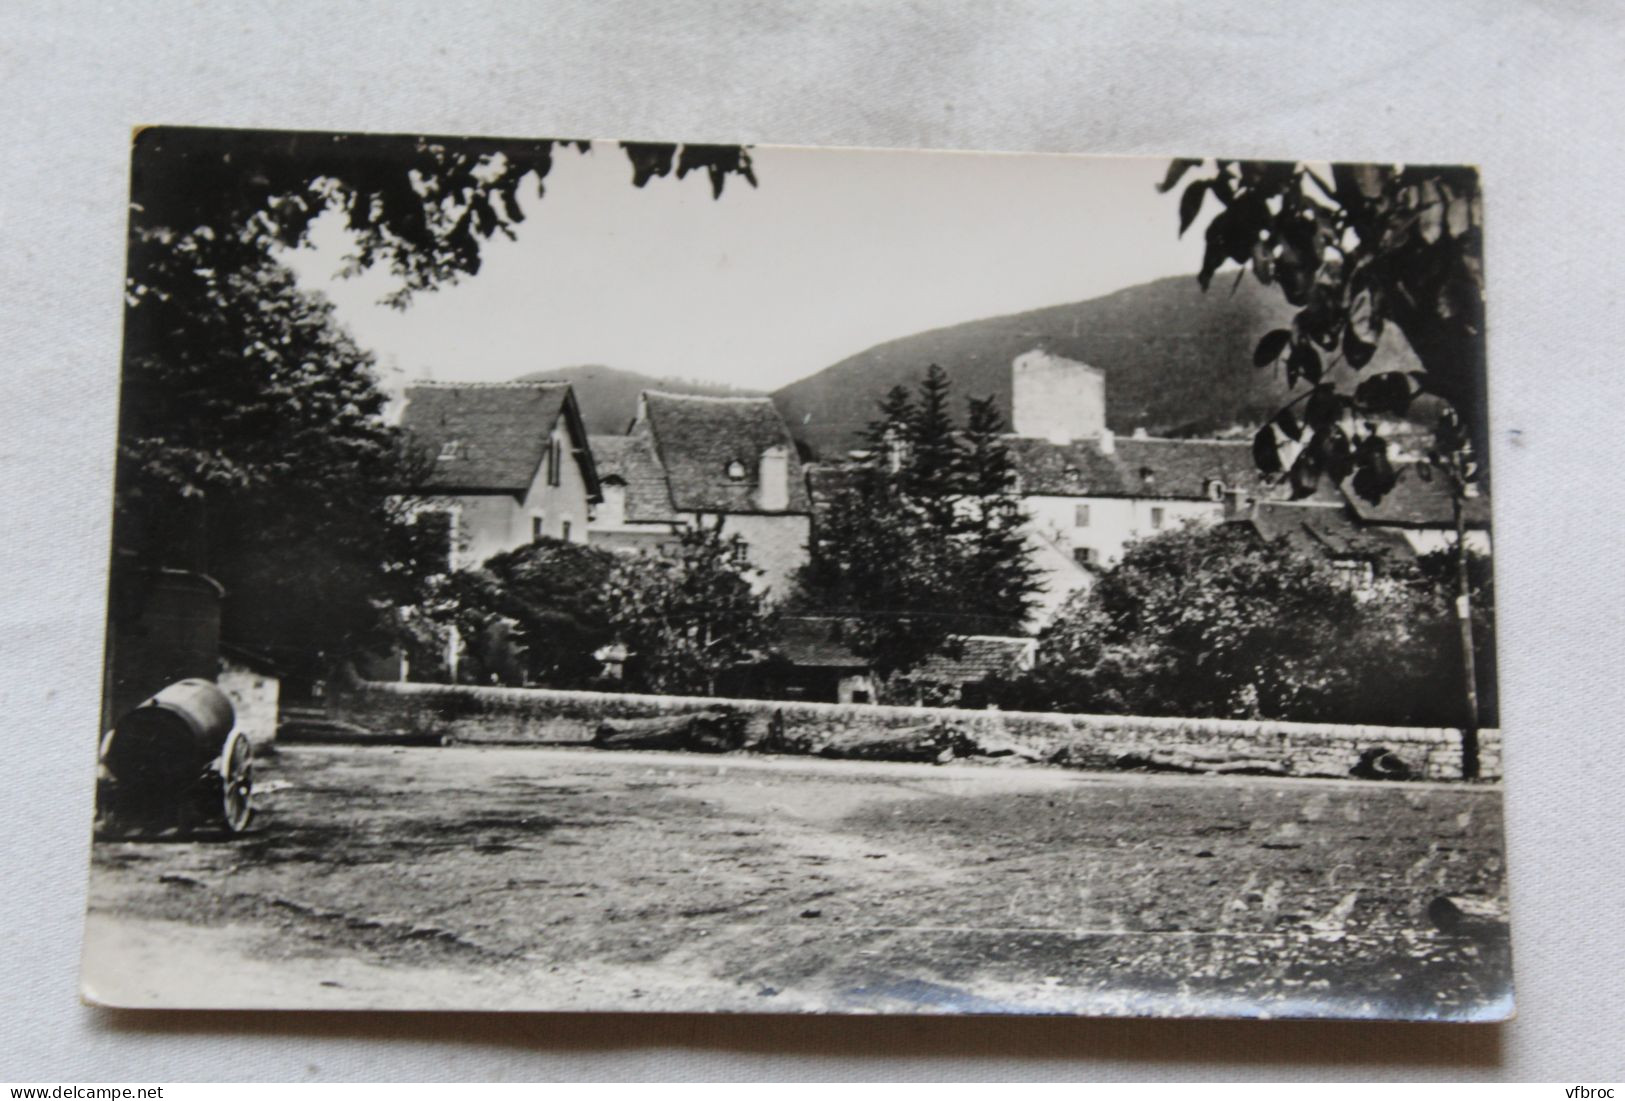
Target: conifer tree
<point x="1001" y="579"/>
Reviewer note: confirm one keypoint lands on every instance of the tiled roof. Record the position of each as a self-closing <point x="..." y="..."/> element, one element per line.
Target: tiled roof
<point x="632" y="461"/>
<point x="1329" y="530"/>
<point x="815" y="642"/>
<point x="1077" y="469"/>
<point x="1418" y="500"/>
<point x="696" y="438"/>
<point x="500" y="429"/>
<point x="978" y="656"/>
<point x="1184" y="468"/>
<point x="1137" y="467"/>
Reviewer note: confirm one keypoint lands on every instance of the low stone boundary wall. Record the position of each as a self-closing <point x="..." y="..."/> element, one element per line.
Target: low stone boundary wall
<point x="535" y="716"/>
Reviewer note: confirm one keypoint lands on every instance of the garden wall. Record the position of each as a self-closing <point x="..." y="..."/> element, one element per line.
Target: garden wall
<point x="530" y="716"/>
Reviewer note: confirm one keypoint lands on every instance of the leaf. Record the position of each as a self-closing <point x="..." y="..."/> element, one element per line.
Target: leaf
<point x="1337" y="457"/>
<point x="1356" y="351"/>
<point x="1323" y="408"/>
<point x="1389" y="392"/>
<point x="1176" y="170"/>
<point x="1266" y="452"/>
<point x="1190" y="204"/>
<point x="1271" y="346"/>
<point x="1305" y="474"/>
<point x="1214" y="254"/>
<point x="1304" y="362"/>
<point x="1287" y="423"/>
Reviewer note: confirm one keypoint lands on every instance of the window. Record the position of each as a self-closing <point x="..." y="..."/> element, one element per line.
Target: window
<point x="1215" y="490"/>
<point x="555" y="462"/>
<point x="564" y="531"/>
<point x="1080" y="517"/>
<point x="1086" y="556"/>
<point x="736" y="471"/>
<point x="1156" y="518"/>
<point x="451" y="449"/>
<point x="538" y="527"/>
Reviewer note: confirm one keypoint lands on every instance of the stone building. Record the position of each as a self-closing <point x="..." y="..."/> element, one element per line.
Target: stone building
<point x="687" y="459"/>
<point x="509" y="463"/>
<point x="1088" y="492"/>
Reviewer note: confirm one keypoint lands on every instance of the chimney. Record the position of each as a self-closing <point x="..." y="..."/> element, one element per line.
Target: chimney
<point x="1108" y="442"/>
<point x="773" y="482"/>
<point x="1055" y="398"/>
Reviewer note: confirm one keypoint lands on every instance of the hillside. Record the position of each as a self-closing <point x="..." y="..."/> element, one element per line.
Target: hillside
<point x="1177" y="361"/>
<point x="609" y="396"/>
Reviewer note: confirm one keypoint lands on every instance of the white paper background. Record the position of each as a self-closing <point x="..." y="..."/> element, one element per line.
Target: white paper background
<point x="1532" y="92"/>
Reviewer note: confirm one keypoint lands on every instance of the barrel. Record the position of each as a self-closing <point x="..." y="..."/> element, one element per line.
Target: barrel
<point x="172" y="737"/>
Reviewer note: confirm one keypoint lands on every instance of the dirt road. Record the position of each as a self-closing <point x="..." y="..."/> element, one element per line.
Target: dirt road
<point x="577" y="879"/>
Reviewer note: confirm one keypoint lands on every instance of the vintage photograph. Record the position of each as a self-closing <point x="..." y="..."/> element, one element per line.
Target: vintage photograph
<point x="620" y="576"/>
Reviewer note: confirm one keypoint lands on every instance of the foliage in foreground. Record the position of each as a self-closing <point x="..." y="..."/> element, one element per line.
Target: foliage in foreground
<point x="251" y="441"/>
<point x="1216" y="622"/>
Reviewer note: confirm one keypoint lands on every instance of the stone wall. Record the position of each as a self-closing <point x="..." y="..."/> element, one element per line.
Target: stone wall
<point x="521" y="716"/>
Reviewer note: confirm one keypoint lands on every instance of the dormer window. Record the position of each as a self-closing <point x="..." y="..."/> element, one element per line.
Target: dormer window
<point x="1215" y="490"/>
<point x="451" y="449"/>
<point x="736" y="471"/>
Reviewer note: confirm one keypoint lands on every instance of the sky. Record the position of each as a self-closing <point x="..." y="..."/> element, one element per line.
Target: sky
<point x="835" y="251"/>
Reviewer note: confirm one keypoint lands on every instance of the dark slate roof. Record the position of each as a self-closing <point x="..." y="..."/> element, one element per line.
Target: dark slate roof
<point x="697" y="437"/>
<point x="1184" y="468"/>
<point x="1137" y="467"/>
<point x="1077" y="469"/>
<point x="1332" y="531"/>
<point x="501" y="429"/>
<point x="633" y="462"/>
<point x="1418" y="501"/>
<point x="978" y="657"/>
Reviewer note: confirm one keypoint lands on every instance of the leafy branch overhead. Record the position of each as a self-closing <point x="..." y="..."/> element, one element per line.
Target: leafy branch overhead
<point x="252" y="442"/>
<point x="420" y="205"/>
<point x="1356" y="249"/>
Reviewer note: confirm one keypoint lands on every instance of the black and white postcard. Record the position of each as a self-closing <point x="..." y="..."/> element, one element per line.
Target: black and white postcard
<point x="623" y="576"/>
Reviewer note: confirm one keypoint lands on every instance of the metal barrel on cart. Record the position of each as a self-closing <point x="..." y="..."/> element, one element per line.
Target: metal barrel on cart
<point x="177" y="760"/>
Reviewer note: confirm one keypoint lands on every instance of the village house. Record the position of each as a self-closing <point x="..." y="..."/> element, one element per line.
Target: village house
<point x="509" y="463"/>
<point x="688" y="459"/>
<point x="1419" y="509"/>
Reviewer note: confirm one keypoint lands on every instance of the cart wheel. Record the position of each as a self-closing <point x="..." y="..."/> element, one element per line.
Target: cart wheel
<point x="237" y="781"/>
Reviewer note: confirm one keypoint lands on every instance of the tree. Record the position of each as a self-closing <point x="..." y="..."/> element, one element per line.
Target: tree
<point x="1214" y="621"/>
<point x="687" y="617"/>
<point x="252" y="444"/>
<point x="1375" y="245"/>
<point x="254" y="449"/>
<point x="990" y="518"/>
<point x="536" y="614"/>
<point x="922" y="542"/>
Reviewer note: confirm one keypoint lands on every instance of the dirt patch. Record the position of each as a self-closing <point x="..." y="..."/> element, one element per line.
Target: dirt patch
<point x="568" y="878"/>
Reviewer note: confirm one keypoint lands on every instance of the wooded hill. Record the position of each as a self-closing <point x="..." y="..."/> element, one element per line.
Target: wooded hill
<point x="1178" y="362"/>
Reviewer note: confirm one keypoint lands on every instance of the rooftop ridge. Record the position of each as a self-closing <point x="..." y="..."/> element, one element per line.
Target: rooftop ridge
<point x="710" y="397"/>
<point x="1122" y="438"/>
<point x="538" y="384"/>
